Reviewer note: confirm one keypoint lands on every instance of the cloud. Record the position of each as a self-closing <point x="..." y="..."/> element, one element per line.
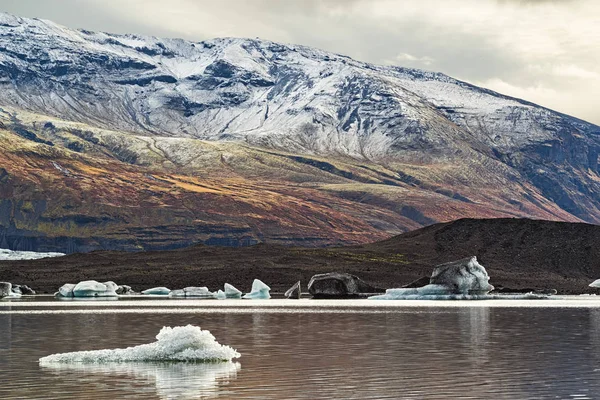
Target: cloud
<point x="545" y="51"/>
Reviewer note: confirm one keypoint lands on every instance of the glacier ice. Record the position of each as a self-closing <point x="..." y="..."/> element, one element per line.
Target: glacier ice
<point x="170" y="380"/>
<point x="192" y="291"/>
<point x="92" y="289"/>
<point x="6" y="254"/>
<point x="259" y="291"/>
<point x="231" y="292"/>
<point x="161" y="291"/>
<point x="464" y="279"/>
<point x="182" y="343"/>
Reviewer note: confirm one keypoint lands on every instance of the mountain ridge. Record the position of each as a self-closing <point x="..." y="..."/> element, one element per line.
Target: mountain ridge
<point x="417" y="147"/>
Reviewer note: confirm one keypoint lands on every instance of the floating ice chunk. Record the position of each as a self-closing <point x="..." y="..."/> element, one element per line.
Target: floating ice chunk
<point x="192" y="291"/>
<point x="231" y="292"/>
<point x="220" y="295"/>
<point x="595" y="284"/>
<point x="161" y="291"/>
<point x="259" y="291"/>
<point x="66" y="290"/>
<point x="183" y="343"/>
<point x="464" y="279"/>
<point x="92" y="289"/>
<point x="13" y="295"/>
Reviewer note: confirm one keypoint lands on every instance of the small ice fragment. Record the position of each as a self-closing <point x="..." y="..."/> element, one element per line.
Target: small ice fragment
<point x="220" y="295"/>
<point x="161" y="291"/>
<point x="183" y="343"/>
<point x="595" y="284"/>
<point x="92" y="289"/>
<point x="231" y="292"/>
<point x="259" y="291"/>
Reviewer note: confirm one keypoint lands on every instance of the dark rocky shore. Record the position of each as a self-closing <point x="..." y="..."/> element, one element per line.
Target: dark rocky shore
<point x="517" y="253"/>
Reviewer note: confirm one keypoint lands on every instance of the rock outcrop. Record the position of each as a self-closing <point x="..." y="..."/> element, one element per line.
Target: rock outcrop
<point x="339" y="285"/>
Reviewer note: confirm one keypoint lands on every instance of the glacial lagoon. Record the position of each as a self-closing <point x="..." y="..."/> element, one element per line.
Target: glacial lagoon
<point x="307" y="349"/>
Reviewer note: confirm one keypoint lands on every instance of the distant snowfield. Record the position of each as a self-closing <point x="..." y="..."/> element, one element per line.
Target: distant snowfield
<point x="6" y="254"/>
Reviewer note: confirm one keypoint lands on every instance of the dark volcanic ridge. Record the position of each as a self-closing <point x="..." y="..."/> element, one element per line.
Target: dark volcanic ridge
<point x="517" y="253"/>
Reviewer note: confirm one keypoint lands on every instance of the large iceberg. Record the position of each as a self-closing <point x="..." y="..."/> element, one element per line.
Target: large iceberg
<point x="182" y="343"/>
<point x="464" y="279"/>
<point x="259" y="291"/>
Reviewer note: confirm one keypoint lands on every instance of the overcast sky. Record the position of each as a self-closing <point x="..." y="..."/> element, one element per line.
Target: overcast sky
<point x="545" y="51"/>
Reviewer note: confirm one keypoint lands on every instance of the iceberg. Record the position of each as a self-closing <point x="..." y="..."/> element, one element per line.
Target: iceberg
<point x="231" y="292"/>
<point x="259" y="291"/>
<point x="161" y="291"/>
<point x="92" y="289"/>
<point x="192" y="291"/>
<point x="464" y="279"/>
<point x="182" y="343"/>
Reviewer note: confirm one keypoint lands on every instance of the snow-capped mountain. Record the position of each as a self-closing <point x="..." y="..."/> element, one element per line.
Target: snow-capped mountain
<point x="426" y="129"/>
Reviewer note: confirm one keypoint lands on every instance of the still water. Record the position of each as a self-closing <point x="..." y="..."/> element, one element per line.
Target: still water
<point x="311" y="350"/>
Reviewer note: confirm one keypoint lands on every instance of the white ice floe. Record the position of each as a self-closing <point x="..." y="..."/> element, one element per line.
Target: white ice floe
<point x="231" y="292"/>
<point x="161" y="291"/>
<point x="182" y="343"/>
<point x="259" y="291"/>
<point x="595" y="284"/>
<point x="6" y="254"/>
<point x="193" y="291"/>
<point x="92" y="289"/>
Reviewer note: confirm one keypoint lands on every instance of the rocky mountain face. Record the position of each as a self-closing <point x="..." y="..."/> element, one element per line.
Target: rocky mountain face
<point x="142" y="142"/>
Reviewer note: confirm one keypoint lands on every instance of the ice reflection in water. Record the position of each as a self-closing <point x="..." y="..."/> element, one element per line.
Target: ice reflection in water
<point x="171" y="380"/>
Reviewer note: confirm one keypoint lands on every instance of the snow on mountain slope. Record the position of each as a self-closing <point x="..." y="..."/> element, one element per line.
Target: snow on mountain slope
<point x="303" y="101"/>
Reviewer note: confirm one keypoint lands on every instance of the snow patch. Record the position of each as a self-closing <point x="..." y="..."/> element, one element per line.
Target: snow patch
<point x="8" y="255"/>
